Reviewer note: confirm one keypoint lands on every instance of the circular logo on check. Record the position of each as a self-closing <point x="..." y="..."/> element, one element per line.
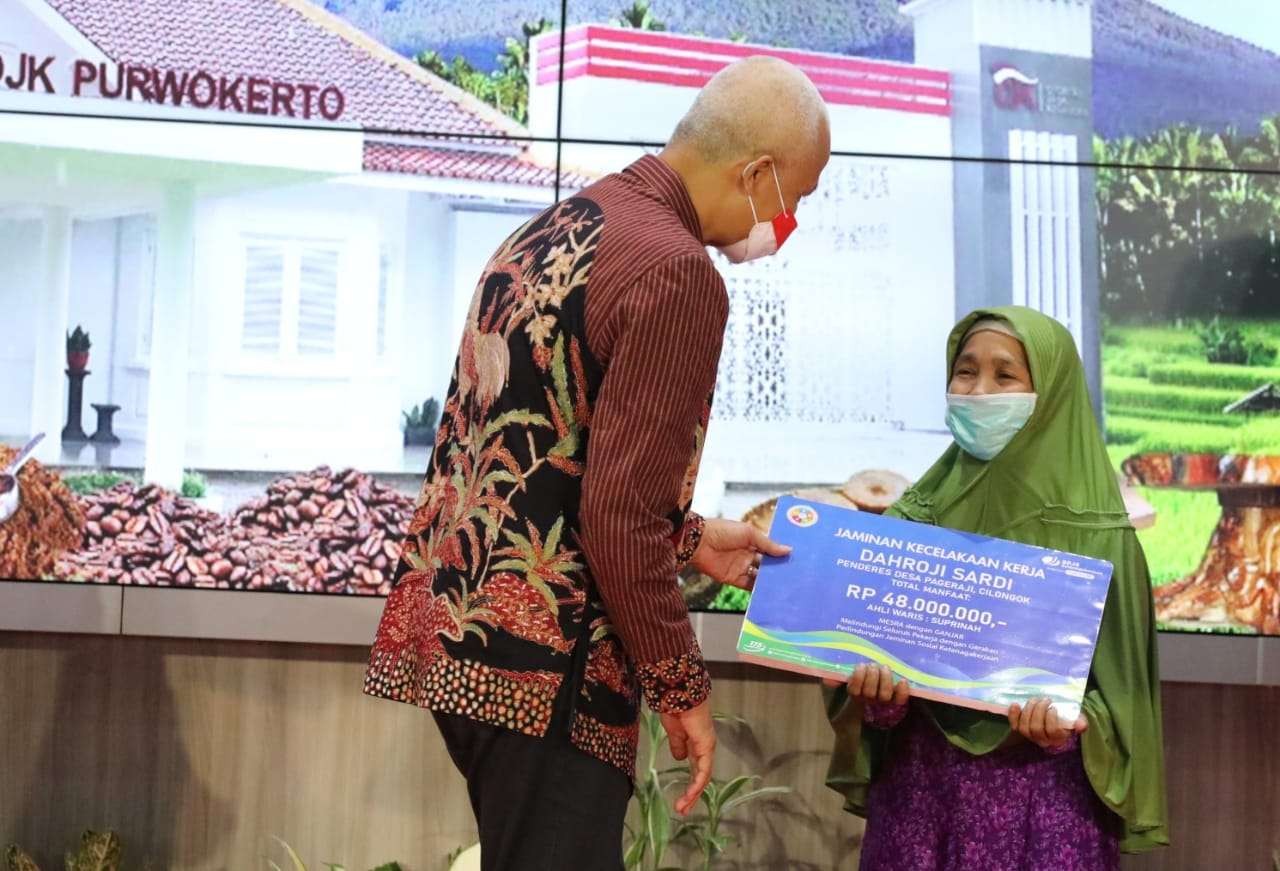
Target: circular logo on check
<point x="802" y="515"/>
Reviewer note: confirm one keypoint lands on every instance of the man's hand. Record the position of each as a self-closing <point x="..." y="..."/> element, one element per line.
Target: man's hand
<point x="692" y="735"/>
<point x="730" y="552"/>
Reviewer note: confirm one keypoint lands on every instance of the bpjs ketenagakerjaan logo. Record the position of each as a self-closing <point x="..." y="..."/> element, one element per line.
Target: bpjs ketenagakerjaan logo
<point x="802" y="515"/>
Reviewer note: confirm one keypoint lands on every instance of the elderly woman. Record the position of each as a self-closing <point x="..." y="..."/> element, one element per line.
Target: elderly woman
<point x="945" y="787"/>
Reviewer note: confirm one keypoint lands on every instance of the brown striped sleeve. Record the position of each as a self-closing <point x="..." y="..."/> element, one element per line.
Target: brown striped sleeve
<point x="643" y="427"/>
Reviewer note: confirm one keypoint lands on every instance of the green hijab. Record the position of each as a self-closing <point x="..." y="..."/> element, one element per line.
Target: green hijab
<point x="1052" y="486"/>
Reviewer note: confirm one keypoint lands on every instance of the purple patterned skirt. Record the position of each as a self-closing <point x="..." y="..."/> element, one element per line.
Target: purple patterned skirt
<point x="934" y="807"/>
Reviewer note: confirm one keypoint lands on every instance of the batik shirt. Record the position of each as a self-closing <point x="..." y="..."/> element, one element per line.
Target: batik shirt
<point x="545" y="543"/>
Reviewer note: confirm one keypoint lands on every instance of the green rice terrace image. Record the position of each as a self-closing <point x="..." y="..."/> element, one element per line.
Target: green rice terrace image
<point x="1190" y="280"/>
<point x="1202" y="433"/>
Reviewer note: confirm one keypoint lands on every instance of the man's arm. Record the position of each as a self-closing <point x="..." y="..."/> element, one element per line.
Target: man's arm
<point x="643" y="430"/>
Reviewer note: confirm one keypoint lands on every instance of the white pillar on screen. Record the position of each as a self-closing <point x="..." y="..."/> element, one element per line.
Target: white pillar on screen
<point x="1062" y="27"/>
<point x="48" y="398"/>
<point x="170" y="338"/>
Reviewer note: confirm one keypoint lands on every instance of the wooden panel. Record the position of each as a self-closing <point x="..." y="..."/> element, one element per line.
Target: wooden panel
<point x="37" y="606"/>
<point x="351" y="620"/>
<point x="1187" y="657"/>
<point x="1222" y="746"/>
<point x="1269" y="669"/>
<point x="198" y="752"/>
<point x="234" y="615"/>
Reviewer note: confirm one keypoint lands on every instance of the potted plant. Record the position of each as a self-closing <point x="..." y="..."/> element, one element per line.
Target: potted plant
<point x="78" y="350"/>
<point x="98" y="850"/>
<point x="420" y="423"/>
<point x="296" y="863"/>
<point x="656" y="831"/>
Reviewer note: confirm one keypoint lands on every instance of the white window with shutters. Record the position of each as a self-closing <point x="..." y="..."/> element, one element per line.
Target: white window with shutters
<point x="290" y="298"/>
<point x="317" y="322"/>
<point x="263" y="318"/>
<point x="1044" y="195"/>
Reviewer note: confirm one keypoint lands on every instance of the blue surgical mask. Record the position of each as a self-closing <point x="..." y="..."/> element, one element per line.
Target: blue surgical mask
<point x="984" y="425"/>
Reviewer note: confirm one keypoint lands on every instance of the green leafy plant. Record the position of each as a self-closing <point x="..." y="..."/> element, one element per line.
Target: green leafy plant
<point x="463" y="857"/>
<point x="194" y="485"/>
<point x="507" y="87"/>
<point x="1260" y="354"/>
<point x="511" y="78"/>
<point x="98" y="851"/>
<point x="296" y="863"/>
<point x="422" y="416"/>
<point x="1196" y="240"/>
<point x="651" y="836"/>
<point x="420" y="423"/>
<point x="78" y="342"/>
<point x="1227" y="344"/>
<point x="721" y="799"/>
<point x="656" y="830"/>
<point x="731" y="599"/>
<point x="17" y="860"/>
<point x="88" y="483"/>
<point x="78" y="350"/>
<point x="639" y="16"/>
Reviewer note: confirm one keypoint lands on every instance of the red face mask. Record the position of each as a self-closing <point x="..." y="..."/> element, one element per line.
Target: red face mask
<point x="766" y="237"/>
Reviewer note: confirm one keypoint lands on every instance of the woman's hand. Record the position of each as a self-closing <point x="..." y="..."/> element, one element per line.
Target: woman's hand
<point x="1039" y="723"/>
<point x="730" y="552"/>
<point x="874" y="683"/>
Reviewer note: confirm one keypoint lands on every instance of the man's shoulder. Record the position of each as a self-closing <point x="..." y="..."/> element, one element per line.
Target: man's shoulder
<point x="690" y="265"/>
<point x="641" y="235"/>
<point x="633" y="209"/>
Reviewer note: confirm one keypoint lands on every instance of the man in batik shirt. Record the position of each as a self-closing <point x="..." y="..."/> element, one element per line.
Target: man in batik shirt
<point x="536" y="600"/>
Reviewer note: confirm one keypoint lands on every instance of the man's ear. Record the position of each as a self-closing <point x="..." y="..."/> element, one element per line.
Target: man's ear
<point x="755" y="172"/>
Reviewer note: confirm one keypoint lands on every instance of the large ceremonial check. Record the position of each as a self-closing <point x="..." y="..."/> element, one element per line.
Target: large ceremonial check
<point x="966" y="619"/>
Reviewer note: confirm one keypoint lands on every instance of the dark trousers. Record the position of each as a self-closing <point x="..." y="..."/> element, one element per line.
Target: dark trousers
<point x="541" y="804"/>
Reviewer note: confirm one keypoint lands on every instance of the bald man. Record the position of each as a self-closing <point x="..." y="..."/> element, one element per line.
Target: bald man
<point x="536" y="598"/>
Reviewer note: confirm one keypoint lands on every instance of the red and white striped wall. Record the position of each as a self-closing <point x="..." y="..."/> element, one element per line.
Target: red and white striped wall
<point x="634" y="85"/>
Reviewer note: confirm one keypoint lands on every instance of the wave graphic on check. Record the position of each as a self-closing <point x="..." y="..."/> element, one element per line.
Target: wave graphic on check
<point x="1017" y="683"/>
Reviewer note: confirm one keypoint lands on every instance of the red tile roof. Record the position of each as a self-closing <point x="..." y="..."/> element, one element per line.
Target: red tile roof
<point x="286" y="40"/>
<point x="503" y="167"/>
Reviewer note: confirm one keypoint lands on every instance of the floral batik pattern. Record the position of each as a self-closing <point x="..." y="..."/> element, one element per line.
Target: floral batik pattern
<point x="676" y="684"/>
<point x="492" y="595"/>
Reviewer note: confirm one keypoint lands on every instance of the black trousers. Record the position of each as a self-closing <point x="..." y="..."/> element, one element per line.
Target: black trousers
<point x="541" y="804"/>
